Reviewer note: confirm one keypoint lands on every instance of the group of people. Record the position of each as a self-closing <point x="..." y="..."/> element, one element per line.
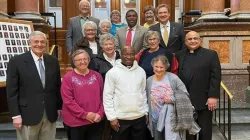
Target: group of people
<point x="127" y="82"/>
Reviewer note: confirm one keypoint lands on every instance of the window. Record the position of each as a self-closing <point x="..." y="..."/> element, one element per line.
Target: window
<point x="101" y="9"/>
<point x="55" y="6"/>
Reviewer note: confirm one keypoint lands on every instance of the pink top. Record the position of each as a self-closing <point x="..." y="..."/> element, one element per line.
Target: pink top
<point x="81" y="94"/>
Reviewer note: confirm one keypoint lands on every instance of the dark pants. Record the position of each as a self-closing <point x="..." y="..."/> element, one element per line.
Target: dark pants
<point x="148" y="135"/>
<point x="67" y="128"/>
<point x="205" y="122"/>
<point x="107" y="130"/>
<point x="130" y="130"/>
<point x="87" y="132"/>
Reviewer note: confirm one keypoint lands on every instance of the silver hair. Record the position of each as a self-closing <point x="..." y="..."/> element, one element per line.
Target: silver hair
<point x="104" y="21"/>
<point x="77" y="52"/>
<point x="89" y="23"/>
<point x="83" y="1"/>
<point x="106" y="37"/>
<point x="152" y="33"/>
<point x="161" y="58"/>
<point x="35" y="33"/>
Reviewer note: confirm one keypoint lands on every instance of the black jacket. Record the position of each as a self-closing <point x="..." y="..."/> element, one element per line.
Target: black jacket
<point x="25" y="93"/>
<point x="83" y="43"/>
<point x="176" y="37"/>
<point x="169" y="55"/>
<point x="101" y="65"/>
<point x="205" y="77"/>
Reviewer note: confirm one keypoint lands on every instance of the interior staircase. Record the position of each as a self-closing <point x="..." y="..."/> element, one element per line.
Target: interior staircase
<point x="240" y="125"/>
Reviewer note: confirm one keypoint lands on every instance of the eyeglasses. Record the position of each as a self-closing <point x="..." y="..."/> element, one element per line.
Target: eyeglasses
<point x="152" y="39"/>
<point x="90" y="30"/>
<point x="108" y="27"/>
<point x="81" y="60"/>
<point x="195" y="39"/>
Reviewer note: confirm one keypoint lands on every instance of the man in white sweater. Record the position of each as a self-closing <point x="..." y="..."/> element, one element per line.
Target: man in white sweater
<point x="124" y="99"/>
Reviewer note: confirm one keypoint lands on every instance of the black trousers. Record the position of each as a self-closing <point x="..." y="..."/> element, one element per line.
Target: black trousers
<point x="131" y="130"/>
<point x="205" y="122"/>
<point x="87" y="132"/>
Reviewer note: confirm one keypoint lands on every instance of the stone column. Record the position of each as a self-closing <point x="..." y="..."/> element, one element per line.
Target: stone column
<point x="28" y="10"/>
<point x="235" y="7"/>
<point x="244" y="10"/>
<point x="213" y="10"/>
<point x="3" y="9"/>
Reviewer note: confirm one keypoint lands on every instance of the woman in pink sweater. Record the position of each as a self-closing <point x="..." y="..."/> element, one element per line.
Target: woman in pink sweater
<point x="82" y="91"/>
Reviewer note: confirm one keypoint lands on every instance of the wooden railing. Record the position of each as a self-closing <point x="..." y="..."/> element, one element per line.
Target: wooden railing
<point x="224" y="127"/>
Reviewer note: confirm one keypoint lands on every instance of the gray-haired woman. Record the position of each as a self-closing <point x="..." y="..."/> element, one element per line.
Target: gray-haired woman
<point x="162" y="90"/>
<point x="82" y="91"/>
<point x="103" y="62"/>
<point x="154" y="49"/>
<point x="89" y="42"/>
<point x="104" y="26"/>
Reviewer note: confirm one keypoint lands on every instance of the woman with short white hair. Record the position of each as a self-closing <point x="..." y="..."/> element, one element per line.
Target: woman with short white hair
<point x="104" y="26"/>
<point x="89" y="42"/>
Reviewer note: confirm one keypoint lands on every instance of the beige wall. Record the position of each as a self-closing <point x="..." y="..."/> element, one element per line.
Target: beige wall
<point x="3" y="6"/>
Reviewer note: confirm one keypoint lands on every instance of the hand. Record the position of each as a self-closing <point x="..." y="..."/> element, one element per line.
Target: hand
<point x="90" y="117"/>
<point x="146" y="119"/>
<point x="115" y="125"/>
<point x="17" y="122"/>
<point x="211" y="103"/>
<point x="97" y="118"/>
<point x="59" y="113"/>
<point x="69" y="53"/>
<point x="168" y="100"/>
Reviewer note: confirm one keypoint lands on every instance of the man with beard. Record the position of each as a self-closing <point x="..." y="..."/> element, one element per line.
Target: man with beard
<point x="133" y="34"/>
<point x="200" y="71"/>
<point x="74" y="29"/>
<point x="172" y="33"/>
<point x="125" y="99"/>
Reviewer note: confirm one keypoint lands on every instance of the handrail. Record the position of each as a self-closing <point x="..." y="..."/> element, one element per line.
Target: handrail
<point x="222" y="115"/>
<point x="226" y="89"/>
<point x="52" y="49"/>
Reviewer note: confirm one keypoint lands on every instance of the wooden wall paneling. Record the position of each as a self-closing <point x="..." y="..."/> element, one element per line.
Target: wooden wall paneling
<point x="227" y="3"/>
<point x="171" y="4"/>
<point x="41" y="6"/>
<point x="11" y="6"/>
<point x="196" y="5"/>
<point x="188" y="5"/>
<point x="61" y="41"/>
<point x="115" y="5"/>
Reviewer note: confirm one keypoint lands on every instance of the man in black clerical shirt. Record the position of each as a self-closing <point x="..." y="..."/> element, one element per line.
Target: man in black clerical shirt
<point x="200" y="70"/>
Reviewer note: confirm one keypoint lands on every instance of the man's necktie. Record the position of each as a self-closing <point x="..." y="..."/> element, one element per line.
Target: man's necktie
<point x="165" y="35"/>
<point x="129" y="37"/>
<point x="42" y="72"/>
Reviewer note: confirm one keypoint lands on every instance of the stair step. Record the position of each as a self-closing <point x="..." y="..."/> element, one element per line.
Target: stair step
<point x="235" y="105"/>
<point x="8" y="131"/>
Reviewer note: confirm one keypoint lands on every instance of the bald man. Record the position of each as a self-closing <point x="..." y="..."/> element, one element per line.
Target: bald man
<point x="200" y="71"/>
<point x="124" y="99"/>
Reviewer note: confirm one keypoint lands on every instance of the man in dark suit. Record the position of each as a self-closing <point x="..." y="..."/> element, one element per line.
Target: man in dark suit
<point x="133" y="34"/>
<point x="200" y="71"/>
<point x="172" y="33"/>
<point x="33" y="91"/>
<point x="74" y="29"/>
